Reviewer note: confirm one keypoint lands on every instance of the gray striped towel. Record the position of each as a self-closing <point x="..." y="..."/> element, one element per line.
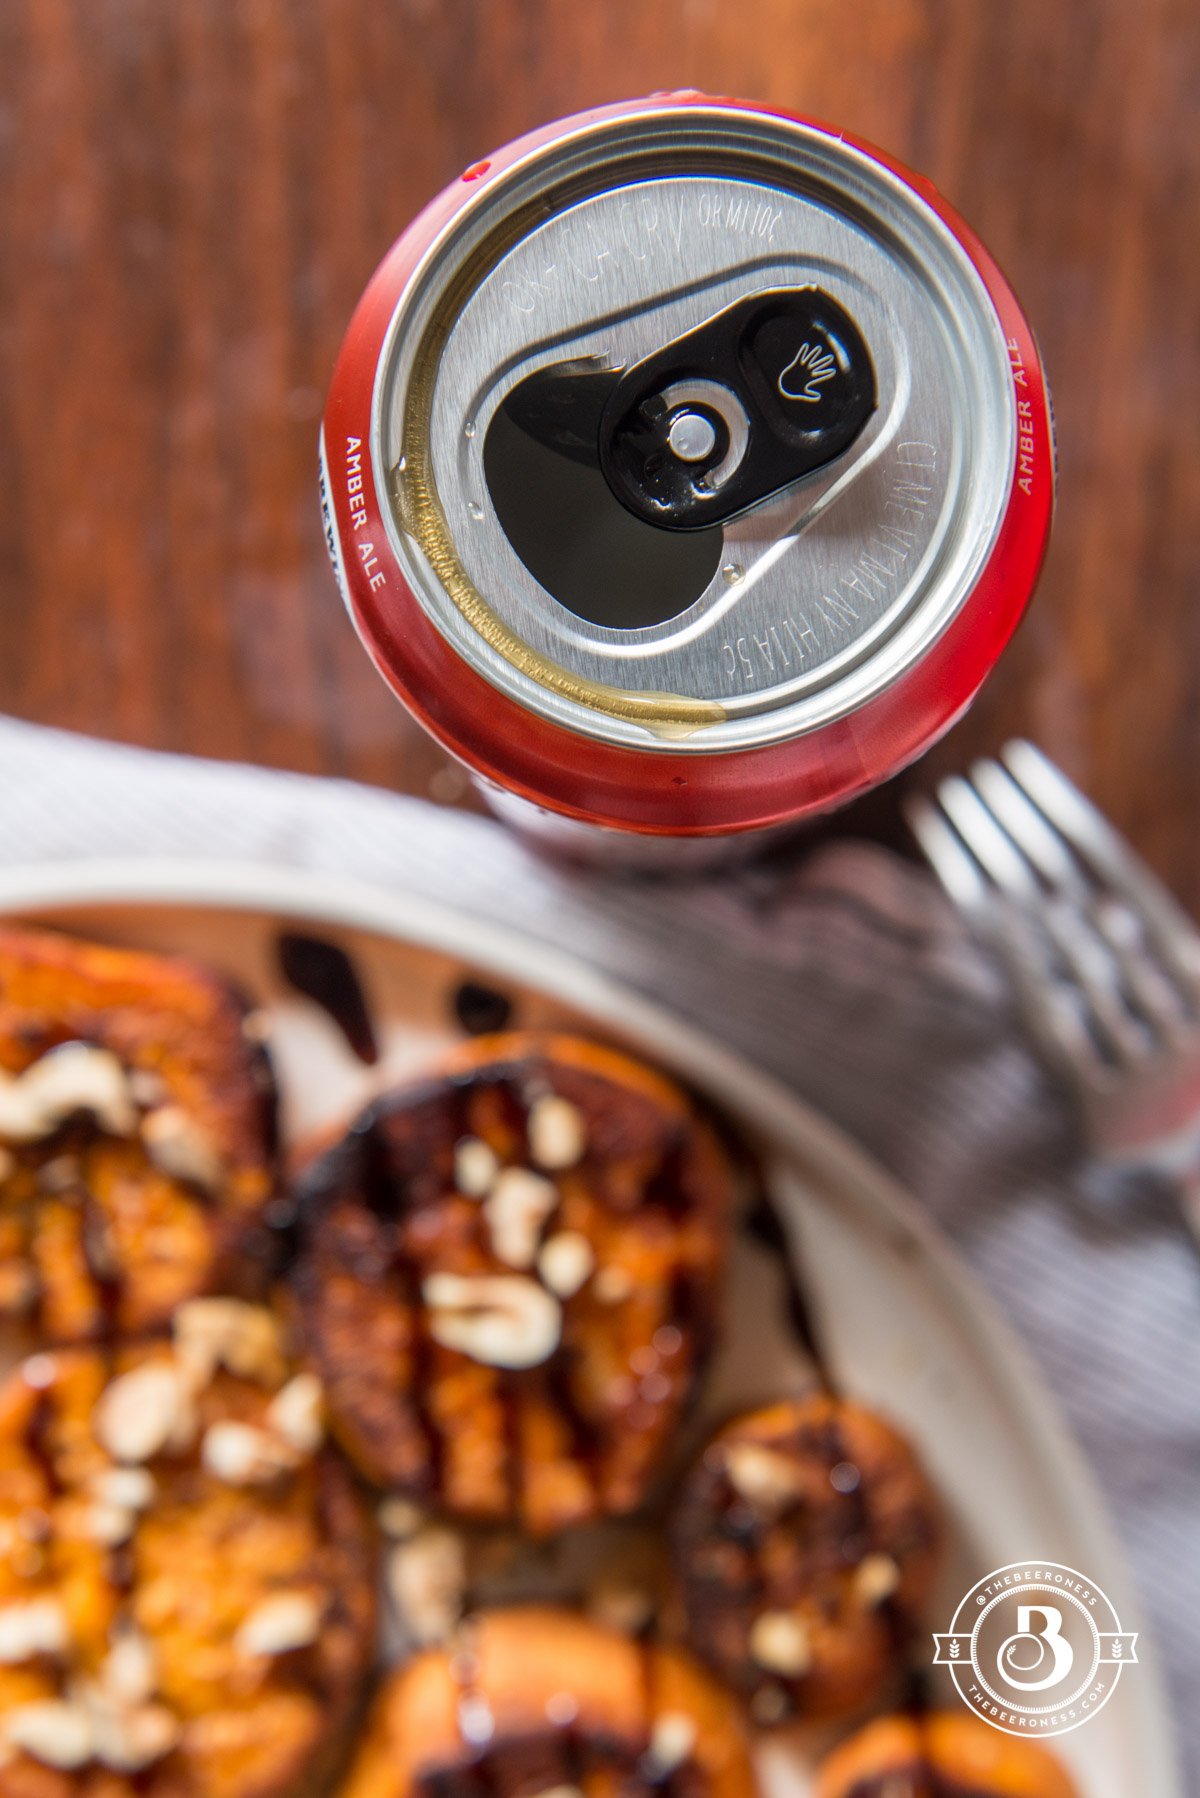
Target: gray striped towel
<point x="842" y="973"/>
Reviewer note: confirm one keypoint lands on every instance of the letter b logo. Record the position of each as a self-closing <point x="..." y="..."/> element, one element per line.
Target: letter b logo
<point x="1033" y="1660"/>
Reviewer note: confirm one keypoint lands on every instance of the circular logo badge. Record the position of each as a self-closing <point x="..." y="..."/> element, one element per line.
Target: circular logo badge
<point x="1035" y="1649"/>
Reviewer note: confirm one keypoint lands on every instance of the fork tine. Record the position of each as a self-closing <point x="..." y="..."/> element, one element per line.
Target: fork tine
<point x="1028" y="828"/>
<point x="955" y="867"/>
<point x="1057" y="1014"/>
<point x="1153" y="992"/>
<point x="979" y="830"/>
<point x="1167" y="926"/>
<point x="1054" y="1015"/>
<point x="1079" y="951"/>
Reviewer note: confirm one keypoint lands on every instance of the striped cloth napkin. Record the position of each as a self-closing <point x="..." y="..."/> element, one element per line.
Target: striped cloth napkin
<point x="844" y="974"/>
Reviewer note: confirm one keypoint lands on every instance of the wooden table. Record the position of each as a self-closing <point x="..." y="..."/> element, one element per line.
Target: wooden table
<point x="193" y="192"/>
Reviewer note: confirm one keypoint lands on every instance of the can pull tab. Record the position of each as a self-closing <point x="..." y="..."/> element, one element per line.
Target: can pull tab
<point x="769" y="390"/>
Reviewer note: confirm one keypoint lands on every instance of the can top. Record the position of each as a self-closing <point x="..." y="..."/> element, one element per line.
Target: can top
<point x="697" y="425"/>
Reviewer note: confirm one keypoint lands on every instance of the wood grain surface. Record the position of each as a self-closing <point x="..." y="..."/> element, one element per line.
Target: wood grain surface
<point x="193" y="192"/>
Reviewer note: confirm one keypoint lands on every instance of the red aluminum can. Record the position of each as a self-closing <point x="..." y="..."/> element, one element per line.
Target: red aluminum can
<point x="686" y="467"/>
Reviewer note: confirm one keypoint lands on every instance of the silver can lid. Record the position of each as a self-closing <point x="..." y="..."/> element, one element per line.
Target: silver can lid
<point x="572" y="355"/>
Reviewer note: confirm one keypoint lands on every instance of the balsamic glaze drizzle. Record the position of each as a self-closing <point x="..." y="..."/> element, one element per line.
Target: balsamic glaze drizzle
<point x="323" y="972"/>
<point x="480" y="1010"/>
<point x="102" y="1267"/>
<point x="37" y="1440"/>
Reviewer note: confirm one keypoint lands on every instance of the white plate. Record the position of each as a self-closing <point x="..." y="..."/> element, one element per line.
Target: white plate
<point x="904" y="1323"/>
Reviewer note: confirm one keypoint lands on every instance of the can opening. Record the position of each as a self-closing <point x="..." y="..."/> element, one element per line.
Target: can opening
<point x="541" y="462"/>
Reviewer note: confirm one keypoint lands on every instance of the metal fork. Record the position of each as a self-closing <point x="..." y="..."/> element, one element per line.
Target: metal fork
<point x="1105" y="963"/>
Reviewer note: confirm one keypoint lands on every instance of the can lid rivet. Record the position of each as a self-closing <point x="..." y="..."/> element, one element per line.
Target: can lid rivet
<point x="691" y="436"/>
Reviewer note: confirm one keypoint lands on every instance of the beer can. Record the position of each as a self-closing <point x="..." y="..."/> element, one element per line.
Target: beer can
<point x="685" y="469"/>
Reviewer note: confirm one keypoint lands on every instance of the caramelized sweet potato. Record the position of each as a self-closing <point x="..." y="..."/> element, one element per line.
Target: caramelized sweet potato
<point x="510" y="1279"/>
<point x="186" y="1591"/>
<point x="805" y="1543"/>
<point x="136" y="1137"/>
<point x="535" y="1700"/>
<point x="941" y="1756"/>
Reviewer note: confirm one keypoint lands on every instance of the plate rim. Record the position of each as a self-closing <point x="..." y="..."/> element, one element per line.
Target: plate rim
<point x="348" y="902"/>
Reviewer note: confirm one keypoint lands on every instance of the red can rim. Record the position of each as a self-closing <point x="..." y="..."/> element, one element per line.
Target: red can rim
<point x="655" y="791"/>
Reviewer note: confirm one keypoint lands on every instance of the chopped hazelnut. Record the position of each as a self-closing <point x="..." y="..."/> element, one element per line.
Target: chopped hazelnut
<point x="144" y="1411"/>
<point x="875" y="1578"/>
<point x="182" y="1148"/>
<point x="516" y="1208"/>
<point x="54" y="1732"/>
<point x="475" y="1167"/>
<point x="296" y="1413"/>
<point x="212" y="1332"/>
<point x="564" y="1262"/>
<point x="242" y="1455"/>
<point x="557" y="1132"/>
<point x="32" y="1627"/>
<point x="501" y="1320"/>
<point x="73" y="1077"/>
<point x="279" y="1624"/>
<point x="779" y="1641"/>
<point x="671" y="1741"/>
<point x="761" y="1475"/>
